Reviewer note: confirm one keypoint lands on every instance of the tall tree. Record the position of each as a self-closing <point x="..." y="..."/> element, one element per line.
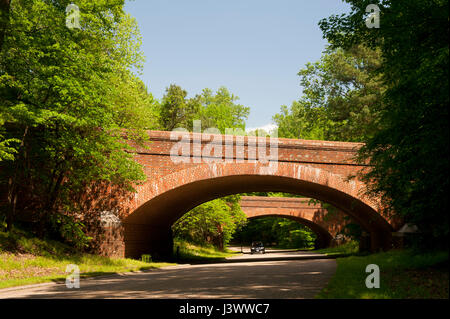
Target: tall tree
<point x="214" y="109"/>
<point x="65" y="97"/>
<point x="220" y="110"/>
<point x="341" y="97"/>
<point x="410" y="153"/>
<point x="176" y="110"/>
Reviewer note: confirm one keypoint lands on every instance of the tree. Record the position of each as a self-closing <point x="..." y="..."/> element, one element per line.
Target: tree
<point x="341" y="97"/>
<point x="217" y="110"/>
<point x="4" y="19"/>
<point x="220" y="110"/>
<point x="176" y="110"/>
<point x="300" y="121"/>
<point x="132" y="106"/>
<point x="6" y="148"/>
<point x="282" y="232"/>
<point x="409" y="155"/>
<point x="65" y="97"/>
<point x="213" y="222"/>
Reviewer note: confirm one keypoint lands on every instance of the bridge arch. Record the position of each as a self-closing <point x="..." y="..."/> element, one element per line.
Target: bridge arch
<point x="326" y="223"/>
<point x="160" y="202"/>
<point x="324" y="238"/>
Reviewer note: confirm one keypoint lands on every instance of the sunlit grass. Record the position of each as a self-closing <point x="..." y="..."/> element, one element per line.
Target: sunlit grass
<point x="29" y="260"/>
<point x="189" y="251"/>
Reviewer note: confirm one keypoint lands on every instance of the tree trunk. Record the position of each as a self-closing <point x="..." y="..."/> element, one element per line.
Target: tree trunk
<point x="11" y="213"/>
<point x="12" y="185"/>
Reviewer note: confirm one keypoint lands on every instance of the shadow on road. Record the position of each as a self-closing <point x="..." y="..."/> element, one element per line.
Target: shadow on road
<point x="275" y="279"/>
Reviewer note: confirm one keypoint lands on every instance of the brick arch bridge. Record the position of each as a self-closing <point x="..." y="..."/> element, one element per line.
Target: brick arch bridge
<point x="187" y="169"/>
<point x="326" y="225"/>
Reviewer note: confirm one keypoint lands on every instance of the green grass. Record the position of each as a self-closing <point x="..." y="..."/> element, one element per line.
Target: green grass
<point x="349" y="248"/>
<point x="190" y="252"/>
<point x="27" y="260"/>
<point x="403" y="274"/>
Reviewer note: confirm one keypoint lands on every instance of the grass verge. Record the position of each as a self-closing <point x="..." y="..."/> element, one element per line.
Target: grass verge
<point x="188" y="252"/>
<point x="349" y="248"/>
<point x="27" y="260"/>
<point x="403" y="275"/>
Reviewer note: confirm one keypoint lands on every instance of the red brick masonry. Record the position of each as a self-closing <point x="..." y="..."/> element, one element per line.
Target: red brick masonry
<point x="316" y="169"/>
<point x="325" y="224"/>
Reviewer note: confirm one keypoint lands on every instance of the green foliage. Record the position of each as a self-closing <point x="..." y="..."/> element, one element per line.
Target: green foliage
<point x="220" y="110"/>
<point x="282" y="232"/>
<point x="176" y="110"/>
<point x="273" y="194"/>
<point x="132" y="106"/>
<point x="65" y="97"/>
<point x="341" y="97"/>
<point x="71" y="230"/>
<point x="297" y="238"/>
<point x="7" y="146"/>
<point x="217" y="110"/>
<point x="352" y="230"/>
<point x="213" y="222"/>
<point x="409" y="155"/>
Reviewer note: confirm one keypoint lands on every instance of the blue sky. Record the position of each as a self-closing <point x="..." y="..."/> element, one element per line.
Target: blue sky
<point x="253" y="47"/>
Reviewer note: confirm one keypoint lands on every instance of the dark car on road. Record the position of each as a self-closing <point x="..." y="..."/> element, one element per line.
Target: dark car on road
<point x="257" y="247"/>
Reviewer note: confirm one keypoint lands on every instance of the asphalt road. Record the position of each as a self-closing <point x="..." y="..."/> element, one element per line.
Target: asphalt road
<point x="273" y="255"/>
<point x="249" y="279"/>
